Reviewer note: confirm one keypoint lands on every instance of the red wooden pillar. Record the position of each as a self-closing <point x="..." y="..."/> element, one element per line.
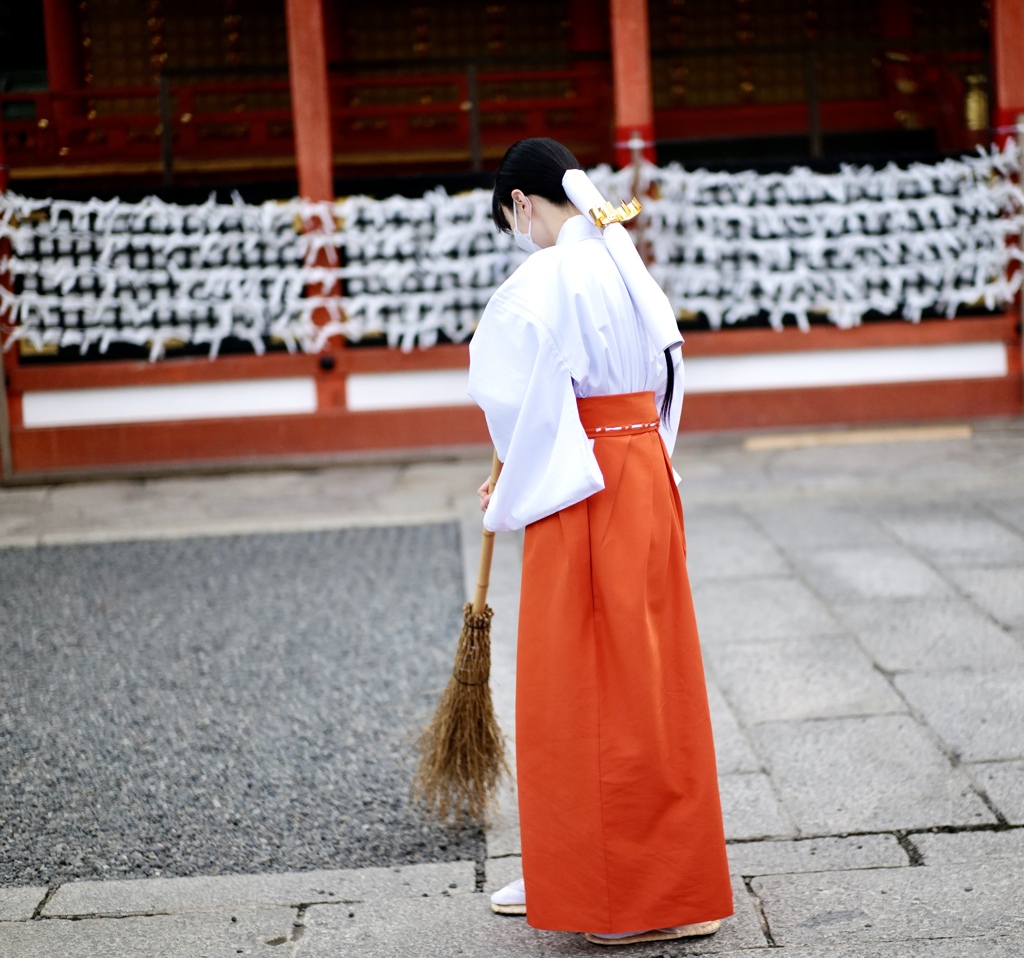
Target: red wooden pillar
<point x="631" y="75"/>
<point x="63" y="45"/>
<point x="10" y="404"/>
<point x="5" y="173"/>
<point x="63" y="54"/>
<point x="1007" y="26"/>
<point x="314" y="158"/>
<point x="588" y="42"/>
<point x="1007" y="20"/>
<point x="311" y="104"/>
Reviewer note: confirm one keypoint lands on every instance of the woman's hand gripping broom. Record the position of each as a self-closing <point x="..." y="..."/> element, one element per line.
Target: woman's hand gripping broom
<point x="462" y="751"/>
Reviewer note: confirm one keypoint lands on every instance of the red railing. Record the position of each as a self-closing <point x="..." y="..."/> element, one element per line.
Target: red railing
<point x="454" y="118"/>
<point x="79" y="126"/>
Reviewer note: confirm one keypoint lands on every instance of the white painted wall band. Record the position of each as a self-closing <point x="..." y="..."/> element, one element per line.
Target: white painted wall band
<point x="125" y="404"/>
<point x="447" y="387"/>
<point x="845" y="367"/>
<point x="415" y="390"/>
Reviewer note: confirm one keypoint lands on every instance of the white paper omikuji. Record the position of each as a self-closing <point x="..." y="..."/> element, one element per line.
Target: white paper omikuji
<point x="897" y="241"/>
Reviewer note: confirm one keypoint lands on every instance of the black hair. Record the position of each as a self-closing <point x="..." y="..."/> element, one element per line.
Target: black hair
<point x="670" y="385"/>
<point x="536" y="167"/>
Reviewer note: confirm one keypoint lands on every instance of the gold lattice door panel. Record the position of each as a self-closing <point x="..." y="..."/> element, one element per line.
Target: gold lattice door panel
<point x="707" y="53"/>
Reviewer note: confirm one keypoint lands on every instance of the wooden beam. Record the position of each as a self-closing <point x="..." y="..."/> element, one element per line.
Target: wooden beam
<point x="892" y="333"/>
<point x="333" y="430"/>
<point x="848" y="405"/>
<point x="265" y="440"/>
<point x="260" y="439"/>
<point x="376" y="359"/>
<point x="311" y="104"/>
<point x="6" y="457"/>
<point x="198" y="369"/>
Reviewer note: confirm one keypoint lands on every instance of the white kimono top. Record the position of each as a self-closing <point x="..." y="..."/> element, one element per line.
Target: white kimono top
<point x="562" y="326"/>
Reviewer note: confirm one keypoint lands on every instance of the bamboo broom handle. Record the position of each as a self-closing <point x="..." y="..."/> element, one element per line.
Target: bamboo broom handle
<point x="483" y="575"/>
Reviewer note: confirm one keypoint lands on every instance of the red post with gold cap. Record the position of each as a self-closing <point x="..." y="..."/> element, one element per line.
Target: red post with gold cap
<point x="1008" y="65"/>
<point x="631" y="75"/>
<point x="311" y="102"/>
<point x="314" y="158"/>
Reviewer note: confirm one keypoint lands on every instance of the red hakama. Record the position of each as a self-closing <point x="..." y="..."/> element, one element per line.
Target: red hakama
<point x="618" y="791"/>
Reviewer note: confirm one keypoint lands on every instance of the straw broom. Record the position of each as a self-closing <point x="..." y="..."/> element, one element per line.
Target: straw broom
<point x="462" y="751"/>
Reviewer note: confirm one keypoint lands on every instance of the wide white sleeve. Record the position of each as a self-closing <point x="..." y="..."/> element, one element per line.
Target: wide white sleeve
<point x="523" y="386"/>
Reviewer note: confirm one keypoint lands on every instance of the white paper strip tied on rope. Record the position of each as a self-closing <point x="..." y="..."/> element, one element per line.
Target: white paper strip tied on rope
<point x="416" y="268"/>
<point x="102" y="272"/>
<point x="733" y="246"/>
<point x="930" y="237"/>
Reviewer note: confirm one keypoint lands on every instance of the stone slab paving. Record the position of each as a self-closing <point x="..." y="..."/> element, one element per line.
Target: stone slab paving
<point x="502" y="871"/>
<point x="751" y="807"/>
<point x="997" y="591"/>
<point x="751" y="859"/>
<point x="862" y="616"/>
<point x="758" y="610"/>
<point x="911" y="634"/>
<point x="238" y="931"/>
<point x="1009" y="510"/>
<point x="960" y="538"/>
<point x="721" y="544"/>
<point x="893" y="904"/>
<point x="733" y="750"/>
<point x="803" y="678"/>
<point x="210" y="893"/>
<point x="869" y="774"/>
<point x="1011" y="946"/>
<point x="432" y="928"/>
<point x="871" y="573"/>
<point x="980" y="715"/>
<point x="216" y="505"/>
<point x="1003" y="783"/>
<point x="20" y="903"/>
<point x="809" y="526"/>
<point x="954" y="848"/>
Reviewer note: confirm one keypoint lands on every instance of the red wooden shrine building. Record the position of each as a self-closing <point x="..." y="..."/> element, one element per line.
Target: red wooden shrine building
<point x="318" y="96"/>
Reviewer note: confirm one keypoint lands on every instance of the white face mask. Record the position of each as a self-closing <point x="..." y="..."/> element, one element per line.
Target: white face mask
<point x="523" y="240"/>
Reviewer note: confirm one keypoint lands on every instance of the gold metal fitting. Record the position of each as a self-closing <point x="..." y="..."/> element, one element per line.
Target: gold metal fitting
<point x="606" y="213"/>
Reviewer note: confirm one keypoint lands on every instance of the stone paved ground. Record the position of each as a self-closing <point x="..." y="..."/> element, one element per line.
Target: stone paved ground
<point x="862" y="612"/>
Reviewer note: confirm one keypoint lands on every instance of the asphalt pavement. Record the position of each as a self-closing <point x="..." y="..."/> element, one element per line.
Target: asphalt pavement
<point x="211" y="684"/>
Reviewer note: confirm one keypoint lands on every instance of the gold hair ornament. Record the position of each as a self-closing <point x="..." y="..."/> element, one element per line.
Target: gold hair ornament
<point x="605" y="214"/>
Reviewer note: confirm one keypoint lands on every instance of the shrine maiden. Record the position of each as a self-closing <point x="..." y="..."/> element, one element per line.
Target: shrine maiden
<point x="576" y="365"/>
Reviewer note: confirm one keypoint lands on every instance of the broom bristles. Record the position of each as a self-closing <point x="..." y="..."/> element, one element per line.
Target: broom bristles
<point x="462" y="750"/>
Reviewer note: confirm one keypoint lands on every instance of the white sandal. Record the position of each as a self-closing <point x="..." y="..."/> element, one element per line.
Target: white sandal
<point x="510" y="900"/>
<point x="656" y="934"/>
